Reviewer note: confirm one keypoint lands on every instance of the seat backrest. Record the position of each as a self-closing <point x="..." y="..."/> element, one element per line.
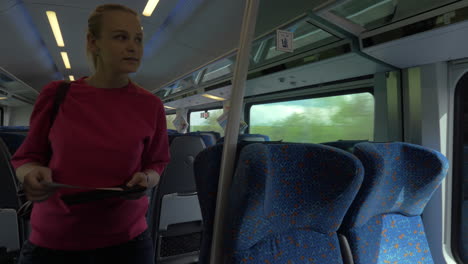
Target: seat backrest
<point x="175" y="203"/>
<point x="172" y="131"/>
<point x="9" y="237"/>
<point x="178" y="176"/>
<point x="171" y="137"/>
<point x="12" y="140"/>
<point x="217" y="135"/>
<point x="212" y="136"/>
<point x="253" y="137"/>
<point x="287" y="201"/>
<point x="248" y="137"/>
<point x="208" y="138"/>
<point x="384" y="222"/>
<point x="8" y="182"/>
<point x="206" y="168"/>
<point x="16" y="129"/>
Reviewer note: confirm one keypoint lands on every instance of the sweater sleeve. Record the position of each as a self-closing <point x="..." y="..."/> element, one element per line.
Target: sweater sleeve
<point x="157" y="155"/>
<point x="35" y="147"/>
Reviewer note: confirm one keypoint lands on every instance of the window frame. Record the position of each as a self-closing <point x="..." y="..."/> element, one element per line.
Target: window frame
<point x="199" y="110"/>
<point x="457" y="168"/>
<point x="248" y="106"/>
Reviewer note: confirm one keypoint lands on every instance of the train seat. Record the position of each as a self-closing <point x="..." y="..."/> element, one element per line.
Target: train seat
<point x="174" y="215"/>
<point x="287" y="201"/>
<point x="384" y="223"/>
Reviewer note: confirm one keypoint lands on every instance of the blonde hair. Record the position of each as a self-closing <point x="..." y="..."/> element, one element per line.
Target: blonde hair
<point x="95" y="24"/>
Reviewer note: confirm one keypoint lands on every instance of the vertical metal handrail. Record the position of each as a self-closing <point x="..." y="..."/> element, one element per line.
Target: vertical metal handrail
<point x="232" y="128"/>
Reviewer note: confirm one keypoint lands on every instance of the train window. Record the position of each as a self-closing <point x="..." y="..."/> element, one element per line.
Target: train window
<point x="460" y="172"/>
<point x="206" y="120"/>
<point x="376" y="13"/>
<point x="219" y="69"/>
<point x="165" y="91"/>
<point x="186" y="83"/>
<point x="169" y="120"/>
<point x="316" y="120"/>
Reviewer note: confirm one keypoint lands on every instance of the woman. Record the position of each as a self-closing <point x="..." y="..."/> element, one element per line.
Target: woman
<point x="108" y="132"/>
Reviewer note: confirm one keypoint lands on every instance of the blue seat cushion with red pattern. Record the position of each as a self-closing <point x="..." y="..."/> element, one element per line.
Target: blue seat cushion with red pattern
<point x="384" y="222"/>
<point x="288" y="200"/>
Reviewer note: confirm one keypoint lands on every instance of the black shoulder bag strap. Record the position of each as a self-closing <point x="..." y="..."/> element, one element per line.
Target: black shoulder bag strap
<point x="60" y="95"/>
<point x="25" y="210"/>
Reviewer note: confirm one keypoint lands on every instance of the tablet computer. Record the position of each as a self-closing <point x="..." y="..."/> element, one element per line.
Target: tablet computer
<point x="99" y="194"/>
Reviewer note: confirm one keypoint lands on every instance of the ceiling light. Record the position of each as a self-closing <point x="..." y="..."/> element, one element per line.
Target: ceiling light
<point x="168" y="107"/>
<point x="150" y="6"/>
<point x="71" y="77"/>
<point x="65" y="60"/>
<point x="213" y="97"/>
<point x="55" y="27"/>
<point x="3" y="97"/>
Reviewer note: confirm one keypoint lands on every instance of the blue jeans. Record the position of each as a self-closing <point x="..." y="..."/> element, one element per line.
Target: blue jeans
<point x="139" y="251"/>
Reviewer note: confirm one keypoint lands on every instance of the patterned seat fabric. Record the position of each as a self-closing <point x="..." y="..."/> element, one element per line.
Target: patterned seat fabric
<point x="384" y="222"/>
<point x="206" y="168"/>
<point x="287" y="201"/>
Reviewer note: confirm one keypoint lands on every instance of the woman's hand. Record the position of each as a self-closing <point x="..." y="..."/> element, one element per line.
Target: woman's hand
<point x="144" y="179"/>
<point x="33" y="188"/>
<point x="139" y="178"/>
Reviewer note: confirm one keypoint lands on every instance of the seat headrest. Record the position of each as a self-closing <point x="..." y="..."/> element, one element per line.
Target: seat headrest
<point x="14" y="128"/>
<point x="208" y="139"/>
<point x="278" y="187"/>
<point x="248" y="137"/>
<point x="399" y="178"/>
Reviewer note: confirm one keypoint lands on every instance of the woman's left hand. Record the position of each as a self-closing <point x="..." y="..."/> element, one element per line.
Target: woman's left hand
<point x="138" y="179"/>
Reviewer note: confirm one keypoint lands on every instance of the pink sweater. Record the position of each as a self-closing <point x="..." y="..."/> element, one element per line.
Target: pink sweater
<point x="100" y="138"/>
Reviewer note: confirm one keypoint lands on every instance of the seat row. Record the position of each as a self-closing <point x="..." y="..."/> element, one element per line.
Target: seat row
<point x="313" y="203"/>
<point x="301" y="202"/>
<point x="211" y="138"/>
